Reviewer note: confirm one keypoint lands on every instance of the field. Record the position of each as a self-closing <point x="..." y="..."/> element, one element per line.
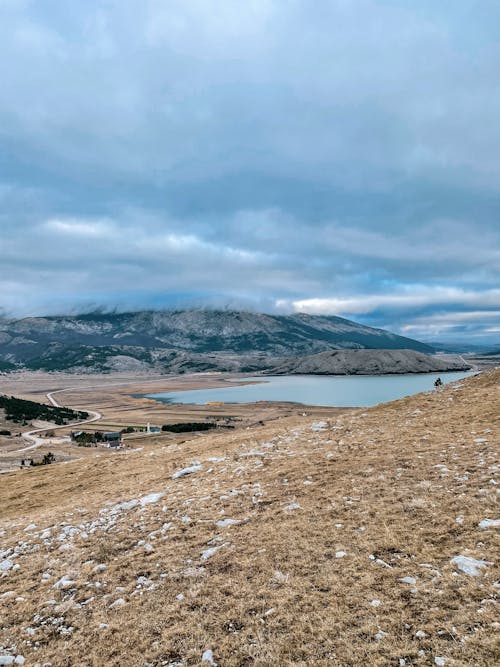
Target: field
<point x="348" y="538"/>
<point x="118" y="398"/>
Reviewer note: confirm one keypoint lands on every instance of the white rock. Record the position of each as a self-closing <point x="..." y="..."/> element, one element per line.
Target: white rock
<point x="151" y="498"/>
<point x="5" y="566"/>
<point x="440" y="662"/>
<point x="99" y="568"/>
<point x="227" y="522"/>
<point x="208" y="656"/>
<point x="120" y="602"/>
<point x="470" y="566"/>
<point x="489" y="523"/>
<point x="208" y="553"/>
<point x="6" y="659"/>
<point x="340" y="554"/>
<point x="375" y="603"/>
<point x="20" y="660"/>
<point x="408" y="580"/>
<point x="187" y="471"/>
<point x="291" y="507"/>
<point x="127" y="505"/>
<point x="420" y="634"/>
<point x="318" y="426"/>
<point x="64" y="582"/>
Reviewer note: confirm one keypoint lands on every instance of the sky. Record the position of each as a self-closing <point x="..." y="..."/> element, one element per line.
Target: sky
<point x="327" y="156"/>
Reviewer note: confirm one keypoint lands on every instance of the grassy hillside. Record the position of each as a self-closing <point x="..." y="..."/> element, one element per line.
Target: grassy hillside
<point x="298" y="543"/>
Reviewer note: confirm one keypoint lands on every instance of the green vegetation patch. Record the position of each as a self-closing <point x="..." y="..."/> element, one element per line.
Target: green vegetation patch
<point x="20" y="411"/>
<point x="186" y="427"/>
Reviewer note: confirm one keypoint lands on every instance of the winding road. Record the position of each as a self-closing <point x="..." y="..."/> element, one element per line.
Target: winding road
<point x="35" y="441"/>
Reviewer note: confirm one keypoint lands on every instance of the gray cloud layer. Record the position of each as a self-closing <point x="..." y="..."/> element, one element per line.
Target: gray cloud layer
<point x="336" y="156"/>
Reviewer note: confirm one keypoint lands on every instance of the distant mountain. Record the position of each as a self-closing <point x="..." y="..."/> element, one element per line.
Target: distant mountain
<point x="369" y="362"/>
<point x="460" y="347"/>
<point x="98" y="341"/>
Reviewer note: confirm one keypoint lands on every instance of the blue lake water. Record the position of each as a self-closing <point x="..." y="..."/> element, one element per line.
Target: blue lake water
<point x="331" y="391"/>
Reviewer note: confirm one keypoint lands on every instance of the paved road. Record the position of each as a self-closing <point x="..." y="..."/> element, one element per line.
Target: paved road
<point x="35" y="441"/>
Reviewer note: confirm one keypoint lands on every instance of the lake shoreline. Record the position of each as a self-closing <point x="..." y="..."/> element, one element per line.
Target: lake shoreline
<point x="271" y="385"/>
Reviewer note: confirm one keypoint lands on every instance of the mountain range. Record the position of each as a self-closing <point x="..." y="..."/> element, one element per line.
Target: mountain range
<point x="186" y="340"/>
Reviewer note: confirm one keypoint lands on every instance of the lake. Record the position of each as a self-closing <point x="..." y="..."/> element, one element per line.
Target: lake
<point x="328" y="391"/>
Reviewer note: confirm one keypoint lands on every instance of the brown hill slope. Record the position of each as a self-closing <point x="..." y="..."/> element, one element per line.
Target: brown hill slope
<point x="342" y="554"/>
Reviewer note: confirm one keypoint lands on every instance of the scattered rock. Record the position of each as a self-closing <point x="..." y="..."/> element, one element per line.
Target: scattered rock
<point x="291" y="507"/>
<point x="64" y="582"/>
<point x="151" y="498"/>
<point x="223" y="523"/>
<point x="208" y="656"/>
<point x="208" y="553"/>
<point x="468" y="565"/>
<point x="120" y="602"/>
<point x="187" y="471"/>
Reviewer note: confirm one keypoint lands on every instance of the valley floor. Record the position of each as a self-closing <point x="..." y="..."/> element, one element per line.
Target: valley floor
<point x="369" y="537"/>
<point x="117" y="398"/>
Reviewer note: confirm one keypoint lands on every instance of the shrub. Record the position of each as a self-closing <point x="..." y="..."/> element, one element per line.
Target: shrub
<point x="186" y="427"/>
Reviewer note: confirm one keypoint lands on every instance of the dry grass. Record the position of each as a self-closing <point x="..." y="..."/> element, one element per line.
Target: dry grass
<point x="384" y="485"/>
<point x="118" y="398"/>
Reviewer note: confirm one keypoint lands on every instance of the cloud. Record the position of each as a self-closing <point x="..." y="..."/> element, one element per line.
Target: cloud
<point x="92" y="229"/>
<point x="409" y="298"/>
<point x="288" y="155"/>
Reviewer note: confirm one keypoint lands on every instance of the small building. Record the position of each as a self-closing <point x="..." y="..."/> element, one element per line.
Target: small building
<point x="112" y="439"/>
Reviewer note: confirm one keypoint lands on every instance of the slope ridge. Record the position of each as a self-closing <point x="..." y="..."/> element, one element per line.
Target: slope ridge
<point x="368" y="538"/>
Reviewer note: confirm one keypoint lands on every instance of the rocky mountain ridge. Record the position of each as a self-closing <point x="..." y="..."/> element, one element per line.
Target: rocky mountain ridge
<point x="184" y="341"/>
<point x="369" y="362"/>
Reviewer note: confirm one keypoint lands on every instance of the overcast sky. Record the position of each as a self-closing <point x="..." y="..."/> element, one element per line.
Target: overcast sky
<point x="328" y="156"/>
